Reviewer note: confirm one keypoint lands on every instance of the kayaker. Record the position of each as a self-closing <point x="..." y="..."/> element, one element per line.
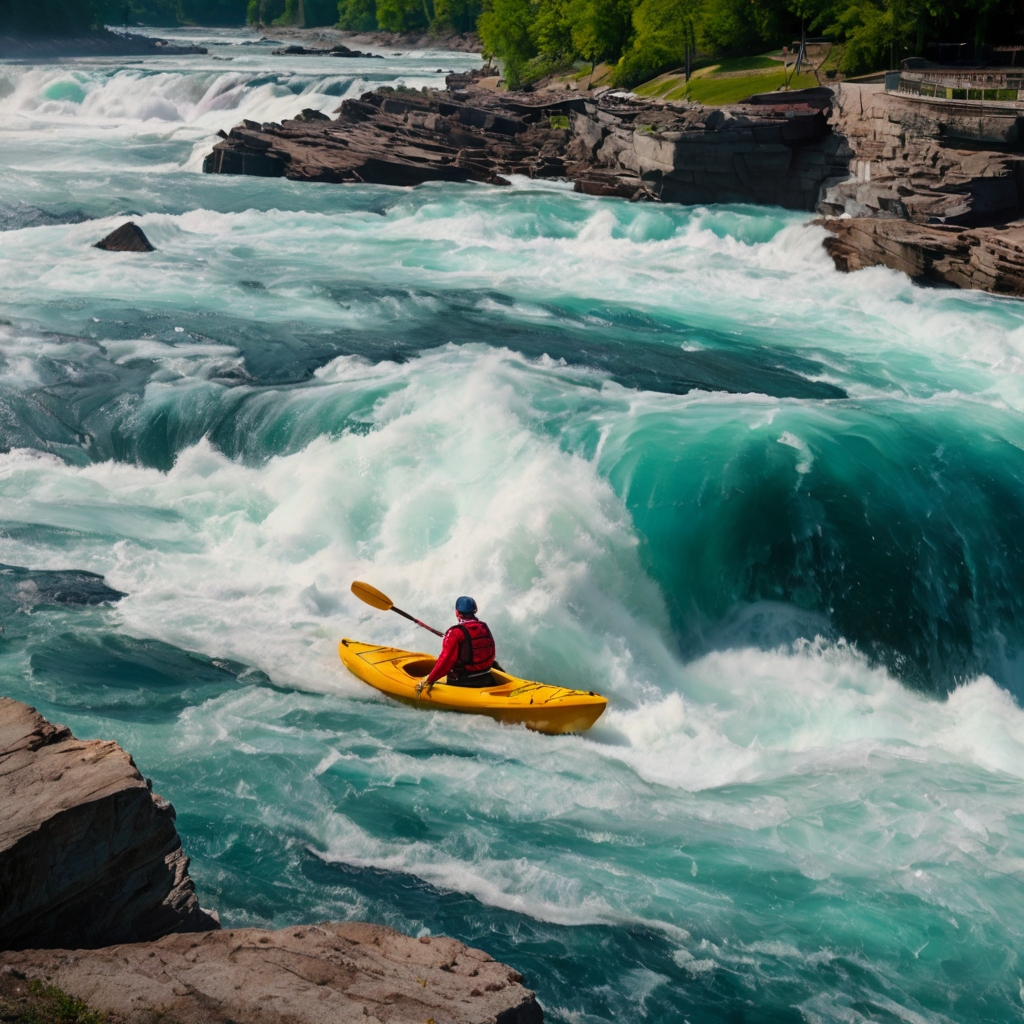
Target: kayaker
<point x="467" y="651"/>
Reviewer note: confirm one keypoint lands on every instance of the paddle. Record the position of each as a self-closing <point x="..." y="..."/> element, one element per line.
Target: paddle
<point x="373" y="597"/>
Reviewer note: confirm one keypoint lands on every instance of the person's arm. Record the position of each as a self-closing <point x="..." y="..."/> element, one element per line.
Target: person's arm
<point x="449" y="655"/>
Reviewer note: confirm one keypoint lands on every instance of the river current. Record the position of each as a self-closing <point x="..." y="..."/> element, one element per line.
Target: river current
<point x="774" y="512"/>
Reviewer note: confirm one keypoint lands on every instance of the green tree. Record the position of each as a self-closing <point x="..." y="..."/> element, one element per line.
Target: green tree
<point x="357" y="15"/>
<point x="505" y="30"/>
<point x="49" y="17"/>
<point x="196" y="12"/>
<point x="404" y="15"/>
<point x="744" y="26"/>
<point x="456" y="15"/>
<point x="601" y="29"/>
<point x="264" y="12"/>
<point x="551" y="30"/>
<point x="664" y="29"/>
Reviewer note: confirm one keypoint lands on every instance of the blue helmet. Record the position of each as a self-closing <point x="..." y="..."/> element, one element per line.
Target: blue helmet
<point x="466" y="605"/>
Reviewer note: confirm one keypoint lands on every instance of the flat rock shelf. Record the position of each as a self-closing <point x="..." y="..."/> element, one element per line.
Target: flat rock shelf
<point x="308" y="974"/>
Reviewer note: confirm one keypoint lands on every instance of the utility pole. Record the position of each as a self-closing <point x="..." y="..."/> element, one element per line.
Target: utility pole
<point x="690" y="49"/>
<point x="800" y="54"/>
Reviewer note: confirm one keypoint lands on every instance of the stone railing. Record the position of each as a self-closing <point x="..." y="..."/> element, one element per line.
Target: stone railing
<point x="977" y="86"/>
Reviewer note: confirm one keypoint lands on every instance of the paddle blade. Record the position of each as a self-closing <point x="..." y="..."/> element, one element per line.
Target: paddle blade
<point x="372" y="596"/>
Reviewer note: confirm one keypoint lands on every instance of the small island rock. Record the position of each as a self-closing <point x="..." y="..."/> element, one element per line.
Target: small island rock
<point x="128" y="237"/>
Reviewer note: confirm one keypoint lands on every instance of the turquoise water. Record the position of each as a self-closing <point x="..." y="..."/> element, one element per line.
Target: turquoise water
<point x="774" y="512"/>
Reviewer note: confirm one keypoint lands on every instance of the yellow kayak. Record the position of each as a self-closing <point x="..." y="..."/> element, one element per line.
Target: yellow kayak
<point x="543" y="708"/>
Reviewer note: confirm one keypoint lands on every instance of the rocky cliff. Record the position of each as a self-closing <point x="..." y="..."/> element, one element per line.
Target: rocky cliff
<point x="309" y="974"/>
<point x="88" y="855"/>
<point x="919" y="160"/>
<point x="936" y="190"/>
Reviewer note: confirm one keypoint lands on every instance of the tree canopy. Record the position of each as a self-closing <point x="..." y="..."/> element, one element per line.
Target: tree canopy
<point x="646" y="37"/>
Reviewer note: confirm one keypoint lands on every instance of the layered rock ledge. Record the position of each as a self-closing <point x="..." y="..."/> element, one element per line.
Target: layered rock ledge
<point x="935" y="189"/>
<point x="89" y="856"/>
<point x="776" y="150"/>
<point x="986" y="258"/>
<point x="311" y="974"/>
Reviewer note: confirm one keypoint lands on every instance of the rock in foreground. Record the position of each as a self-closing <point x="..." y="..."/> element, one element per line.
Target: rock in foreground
<point x="88" y="855"/>
<point x="300" y="975"/>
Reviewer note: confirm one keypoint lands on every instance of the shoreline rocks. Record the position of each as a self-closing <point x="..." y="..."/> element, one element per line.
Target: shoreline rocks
<point x="325" y="36"/>
<point x="344" y="973"/>
<point x="96" y="900"/>
<point x="779" y="152"/>
<point x="895" y="187"/>
<point x="988" y="258"/>
<point x="89" y="856"/>
<point x="925" y="197"/>
<point x="338" y="50"/>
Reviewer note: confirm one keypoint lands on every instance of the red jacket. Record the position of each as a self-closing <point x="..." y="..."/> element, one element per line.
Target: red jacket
<point x="467" y="647"/>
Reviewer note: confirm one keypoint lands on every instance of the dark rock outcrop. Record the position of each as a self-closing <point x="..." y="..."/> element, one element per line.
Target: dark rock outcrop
<point x="128" y="237"/>
<point x="991" y="259"/>
<point x="343" y="973"/>
<point x="88" y="855"/>
<point x="340" y="50"/>
<point x="781" y="151"/>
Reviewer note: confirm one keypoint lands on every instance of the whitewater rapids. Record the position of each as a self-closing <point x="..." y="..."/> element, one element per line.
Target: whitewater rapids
<point x="774" y="513"/>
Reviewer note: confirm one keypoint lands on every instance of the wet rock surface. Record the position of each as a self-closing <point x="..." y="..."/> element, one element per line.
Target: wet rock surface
<point x="127" y="238"/>
<point x="311" y="973"/>
<point x="779" y="152"/>
<point x="89" y="856"/>
<point x="25" y="589"/>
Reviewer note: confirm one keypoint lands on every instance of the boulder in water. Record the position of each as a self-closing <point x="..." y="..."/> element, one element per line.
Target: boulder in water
<point x="127" y="238"/>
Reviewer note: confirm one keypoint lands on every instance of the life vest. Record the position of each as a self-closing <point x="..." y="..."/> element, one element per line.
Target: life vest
<point x="476" y="648"/>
